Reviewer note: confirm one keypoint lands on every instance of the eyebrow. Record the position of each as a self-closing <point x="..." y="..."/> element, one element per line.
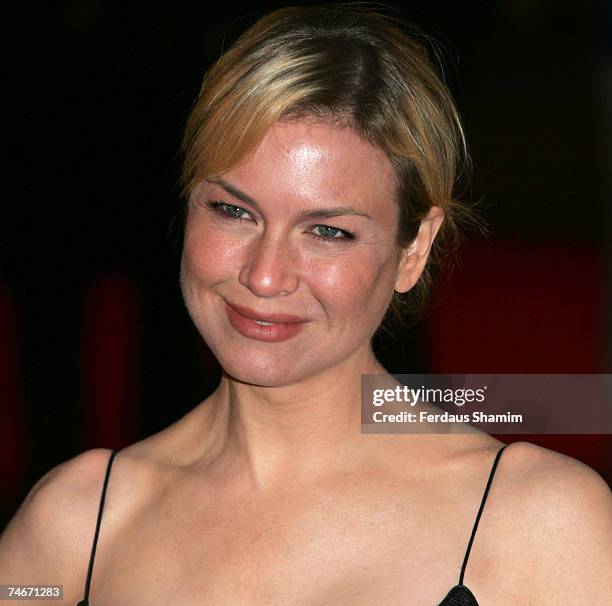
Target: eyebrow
<point x="334" y="211"/>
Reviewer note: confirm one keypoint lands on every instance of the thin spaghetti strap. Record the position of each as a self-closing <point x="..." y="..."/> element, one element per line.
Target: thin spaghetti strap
<point x="85" y="600"/>
<point x="482" y="503"/>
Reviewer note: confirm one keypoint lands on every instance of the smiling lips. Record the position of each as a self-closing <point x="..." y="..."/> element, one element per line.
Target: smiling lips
<point x="263" y="327"/>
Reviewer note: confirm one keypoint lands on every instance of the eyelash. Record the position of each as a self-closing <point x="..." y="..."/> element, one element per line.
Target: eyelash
<point x="217" y="207"/>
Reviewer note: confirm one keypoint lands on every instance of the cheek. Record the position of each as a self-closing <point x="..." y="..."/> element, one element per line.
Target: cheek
<point x="355" y="285"/>
<point x="207" y="254"/>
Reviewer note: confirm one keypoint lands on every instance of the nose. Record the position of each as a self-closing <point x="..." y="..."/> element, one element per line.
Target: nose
<point x="269" y="267"/>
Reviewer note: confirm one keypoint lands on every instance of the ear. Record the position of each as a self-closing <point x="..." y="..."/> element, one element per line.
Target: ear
<point x="414" y="257"/>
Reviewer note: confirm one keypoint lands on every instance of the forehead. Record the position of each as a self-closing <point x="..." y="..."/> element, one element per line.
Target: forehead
<point x="313" y="162"/>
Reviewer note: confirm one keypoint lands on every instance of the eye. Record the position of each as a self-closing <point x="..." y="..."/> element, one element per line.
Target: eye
<point x="227" y="210"/>
<point x="326" y="232"/>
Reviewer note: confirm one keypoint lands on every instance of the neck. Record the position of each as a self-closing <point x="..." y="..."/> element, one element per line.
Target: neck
<point x="275" y="434"/>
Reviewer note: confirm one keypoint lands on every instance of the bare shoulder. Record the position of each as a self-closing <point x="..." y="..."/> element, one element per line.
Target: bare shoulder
<point x="57" y="519"/>
<point x="49" y="538"/>
<point x="549" y="474"/>
<point x="563" y="512"/>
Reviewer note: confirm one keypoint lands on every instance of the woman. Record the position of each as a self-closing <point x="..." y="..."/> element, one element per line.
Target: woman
<point x="320" y="163"/>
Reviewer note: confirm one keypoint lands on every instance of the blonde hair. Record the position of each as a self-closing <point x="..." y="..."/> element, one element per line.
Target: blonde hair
<point x="349" y="66"/>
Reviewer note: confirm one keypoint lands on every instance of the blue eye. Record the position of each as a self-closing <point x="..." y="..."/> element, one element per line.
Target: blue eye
<point x="226" y="210"/>
<point x="327" y="232"/>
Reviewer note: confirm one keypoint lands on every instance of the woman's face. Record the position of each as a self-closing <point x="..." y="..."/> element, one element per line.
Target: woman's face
<point x="304" y="228"/>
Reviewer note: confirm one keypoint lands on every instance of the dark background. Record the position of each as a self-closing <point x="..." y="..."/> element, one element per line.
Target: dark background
<point x="96" y="349"/>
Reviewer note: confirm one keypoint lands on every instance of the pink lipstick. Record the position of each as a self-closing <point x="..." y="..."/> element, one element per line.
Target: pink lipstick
<point x="263" y="327"/>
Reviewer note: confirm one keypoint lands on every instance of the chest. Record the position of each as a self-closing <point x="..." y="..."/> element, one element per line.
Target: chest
<point x="316" y="549"/>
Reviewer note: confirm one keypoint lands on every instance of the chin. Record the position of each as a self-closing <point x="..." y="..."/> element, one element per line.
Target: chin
<point x="263" y="373"/>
